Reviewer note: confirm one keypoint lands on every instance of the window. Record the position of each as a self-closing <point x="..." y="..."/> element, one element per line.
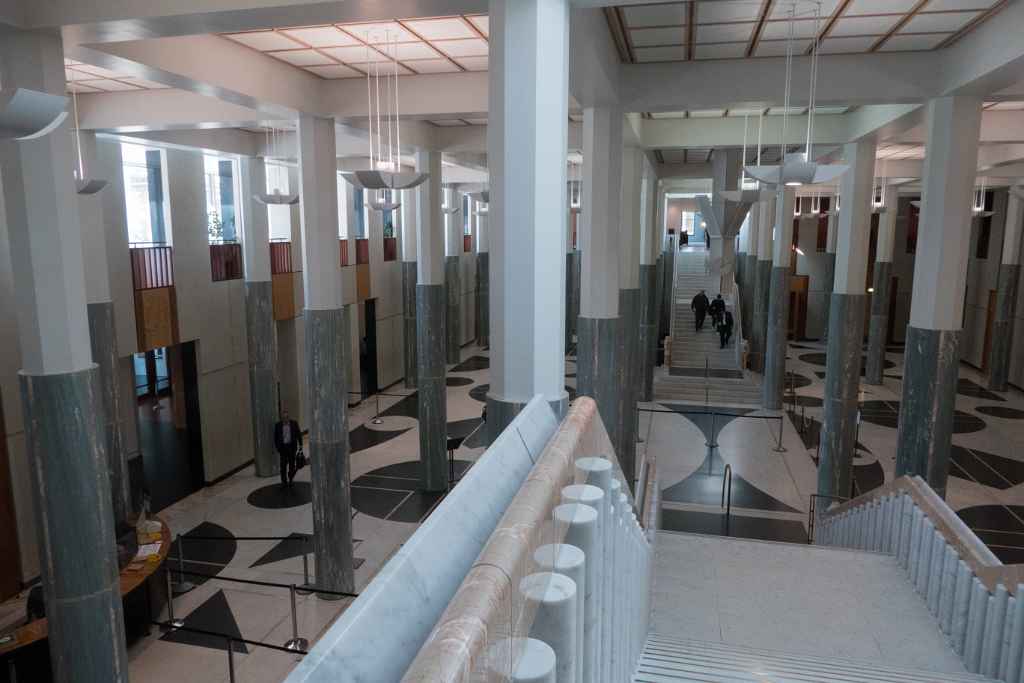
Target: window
<point x="220" y="177"/>
<point x="389" y="216"/>
<point x="688" y="222"/>
<point x="343" y="227"/>
<point x="467" y="214"/>
<point x="360" y="211"/>
<point x="144" y="194"/>
<point x="279" y="216"/>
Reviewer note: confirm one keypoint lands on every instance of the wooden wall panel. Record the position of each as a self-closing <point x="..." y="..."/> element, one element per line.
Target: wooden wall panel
<point x="283" y="285"/>
<point x="363" y="282"/>
<point x="156" y="318"/>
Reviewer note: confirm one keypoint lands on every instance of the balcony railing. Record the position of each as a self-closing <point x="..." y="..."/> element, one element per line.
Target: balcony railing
<point x="152" y="265"/>
<point x="280" y="257"/>
<point x="226" y="261"/>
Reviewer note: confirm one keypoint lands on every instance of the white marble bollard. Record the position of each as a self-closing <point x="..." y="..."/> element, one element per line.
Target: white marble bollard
<point x="928" y="536"/>
<point x="597" y="471"/>
<point x="976" y="615"/>
<point x="582" y="525"/>
<point x="553" y="599"/>
<point x="536" y="662"/>
<point x="961" y="606"/>
<point x="1016" y="648"/>
<point x="995" y="619"/>
<point x="947" y="590"/>
<point x="935" y="573"/>
<point x="594" y="497"/>
<point x="568" y="560"/>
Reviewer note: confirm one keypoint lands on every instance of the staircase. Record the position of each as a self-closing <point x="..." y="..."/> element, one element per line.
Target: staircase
<point x="699" y="370"/>
<point x="666" y="660"/>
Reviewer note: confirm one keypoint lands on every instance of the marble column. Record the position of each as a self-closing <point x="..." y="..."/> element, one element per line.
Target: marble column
<point x="846" y="323"/>
<point x="431" y="323"/>
<point x="931" y="363"/>
<point x="100" y="309"/>
<point x="66" y="443"/>
<point x="483" y="279"/>
<point x="453" y="280"/>
<point x="261" y="332"/>
<point x="326" y="328"/>
<point x="762" y="284"/>
<point x="776" y="342"/>
<point x="599" y="352"/>
<point x="749" y="261"/>
<point x="408" y="247"/>
<point x="830" y="260"/>
<point x="881" y="287"/>
<point x="572" y="303"/>
<point x="649" y="248"/>
<point x="527" y="129"/>
<point x="1006" y="296"/>
<point x="726" y="165"/>
<point x="630" y="303"/>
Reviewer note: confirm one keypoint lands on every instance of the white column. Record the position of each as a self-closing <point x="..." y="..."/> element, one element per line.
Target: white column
<point x="255" y="221"/>
<point x="410" y="226"/>
<point x="1012" y="231"/>
<point x="527" y="136"/>
<point x="429" y="220"/>
<point x="855" y="220"/>
<point x="318" y="208"/>
<point x="599" y="237"/>
<point x="482" y="241"/>
<point x="631" y="211"/>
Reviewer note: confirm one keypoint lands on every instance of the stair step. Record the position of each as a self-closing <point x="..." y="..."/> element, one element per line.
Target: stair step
<point x="669" y="660"/>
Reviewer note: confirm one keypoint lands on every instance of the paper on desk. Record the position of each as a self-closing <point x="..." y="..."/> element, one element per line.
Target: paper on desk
<point x="148" y="549"/>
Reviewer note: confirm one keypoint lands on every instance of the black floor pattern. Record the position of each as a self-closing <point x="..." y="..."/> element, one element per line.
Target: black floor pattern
<point x="362" y="437"/>
<point x="473" y="363"/>
<point x="819" y="359"/>
<point x="887" y="414"/>
<point x="457" y="381"/>
<point x="718" y="373"/>
<point x="702" y="488"/>
<point x="1001" y="411"/>
<point x="296" y="545"/>
<point x="208" y="548"/>
<point x="479" y="392"/>
<point x="737" y="526"/>
<point x="277" y="497"/>
<point x="987" y="469"/>
<point x="966" y="387"/>
<point x="867" y="471"/>
<point x="796" y="381"/>
<point x="214" y="615"/>
<point x="392" y="492"/>
<point x="1000" y="527"/>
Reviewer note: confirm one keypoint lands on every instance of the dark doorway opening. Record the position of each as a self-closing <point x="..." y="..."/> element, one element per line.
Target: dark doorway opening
<point x="368" y="349"/>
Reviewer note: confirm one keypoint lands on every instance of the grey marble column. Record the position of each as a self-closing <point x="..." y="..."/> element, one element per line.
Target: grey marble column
<point x="741" y="262"/>
<point x="775" y="339"/>
<point x="668" y="285"/>
<point x="453" y="323"/>
<point x="483" y="302"/>
<point x="842" y="381"/>
<point x="1002" y="327"/>
<point x="648" y="330"/>
<point x="103" y="338"/>
<point x="409" y="323"/>
<point x="930" y="373"/>
<point x="259" y="328"/>
<point x="659" y="300"/>
<point x="432" y="401"/>
<point x="759" y="331"/>
<point x="747" y="293"/>
<point x="828" y="279"/>
<point x="572" y="302"/>
<point x="629" y="317"/>
<point x="327" y="385"/>
<point x="878" y="330"/>
<point x="67" y="455"/>
<point x="599" y="372"/>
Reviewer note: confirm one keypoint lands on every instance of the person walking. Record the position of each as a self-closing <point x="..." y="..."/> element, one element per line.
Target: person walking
<point x="287" y="440"/>
<point x="699" y="306"/>
<point x="716" y="309"/>
<point x="725" y="329"/>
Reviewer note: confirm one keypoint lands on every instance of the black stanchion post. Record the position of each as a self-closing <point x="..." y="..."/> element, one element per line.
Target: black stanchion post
<point x="779" y="448"/>
<point x="296" y="644"/>
<point x="307" y="587"/>
<point x="182" y="586"/>
<point x="231" y="659"/>
<point x="171" y="621"/>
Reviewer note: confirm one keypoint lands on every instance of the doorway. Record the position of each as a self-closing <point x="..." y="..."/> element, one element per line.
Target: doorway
<point x="170" y="433"/>
<point x="798" y="286"/>
<point x="368" y="385"/>
<point x="990" y="319"/>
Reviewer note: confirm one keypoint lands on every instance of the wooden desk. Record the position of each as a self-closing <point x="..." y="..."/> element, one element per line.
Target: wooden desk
<point x="132" y="576"/>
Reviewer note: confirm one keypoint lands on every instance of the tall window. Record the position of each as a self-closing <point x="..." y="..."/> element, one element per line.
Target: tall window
<point x="688" y="222"/>
<point x="220" y="199"/>
<point x="361" y="209"/>
<point x="467" y="214"/>
<point x="144" y="194"/>
<point x="279" y="215"/>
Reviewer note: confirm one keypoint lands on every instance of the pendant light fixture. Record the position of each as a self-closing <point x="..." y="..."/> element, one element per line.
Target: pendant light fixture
<point x="749" y="190"/>
<point x="978" y="206"/>
<point x="878" y="197"/>
<point x="83" y="185"/>
<point x="275" y="197"/>
<point x="26" y="114"/>
<point x="797" y="169"/>
<point x="385" y="134"/>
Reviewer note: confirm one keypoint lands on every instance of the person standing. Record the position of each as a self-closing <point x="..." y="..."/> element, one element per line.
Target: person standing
<point x="287" y="438"/>
<point x="699" y="306"/>
<point x="725" y="329"/>
<point x="717" y="308"/>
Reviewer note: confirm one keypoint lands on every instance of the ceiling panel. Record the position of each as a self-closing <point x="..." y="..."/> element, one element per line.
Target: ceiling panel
<point x="668" y="115"/>
<point x="110" y="85"/>
<point x="661" y="14"/>
<point x="879" y="7"/>
<point x="864" y="26"/>
<point x="659" y="54"/>
<point x="804" y="10"/>
<point x="715" y="12"/>
<point x="725" y="33"/>
<point x="320" y="36"/>
<point x="913" y="41"/>
<point x="942" y="22"/>
<point x="264" y="40"/>
<point x="745" y="112"/>
<point x="482" y="23"/>
<point x="404" y="51"/>
<point x="303" y="57"/>
<point x="432" y="66"/>
<point x="351" y="55"/>
<point x="668" y="35"/>
<point x="473" y="63"/>
<point x="449" y="123"/>
<point x="777" y="48"/>
<point x="1008" y="105"/>
<point x="706" y="113"/>
<point x="721" y="51"/>
<point x="81" y="87"/>
<point x="956" y="5"/>
<point x="379" y="32"/>
<point x="779" y="30"/>
<point x="474" y="47"/>
<point x="335" y="71"/>
<point x="833" y="46"/>
<point x="674" y="156"/>
<point x="441" y="29"/>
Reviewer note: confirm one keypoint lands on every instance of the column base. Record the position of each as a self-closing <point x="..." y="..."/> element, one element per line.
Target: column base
<point x="500" y="413"/>
<point x="409" y="276"/>
<point x="1002" y="329"/>
<point x="599" y="372"/>
<point x="648" y="330"/>
<point x="629" y="317"/>
<point x="931" y="370"/>
<point x="878" y="331"/>
<point x="259" y="328"/>
<point x="483" y="301"/>
<point x="453" y="324"/>
<point x="432" y="395"/>
<point x="75" y="526"/>
<point x="776" y="339"/>
<point x="326" y="383"/>
<point x="829" y="269"/>
<point x="842" y="386"/>
<point x="761" y="295"/>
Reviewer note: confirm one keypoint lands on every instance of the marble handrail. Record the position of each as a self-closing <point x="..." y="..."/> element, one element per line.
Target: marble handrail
<point x="956" y="533"/>
<point x="475" y="637"/>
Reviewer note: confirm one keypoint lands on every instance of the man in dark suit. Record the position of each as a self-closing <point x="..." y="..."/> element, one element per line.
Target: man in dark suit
<point x="286" y="440"/>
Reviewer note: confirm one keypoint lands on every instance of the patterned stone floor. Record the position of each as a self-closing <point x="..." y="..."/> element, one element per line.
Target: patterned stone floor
<point x="387" y="509"/>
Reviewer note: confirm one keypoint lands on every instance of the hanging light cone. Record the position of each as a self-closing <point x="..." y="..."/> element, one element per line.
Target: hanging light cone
<point x="86" y="186"/>
<point x="482" y="210"/>
<point x="384" y="180"/>
<point x="483" y="196"/>
<point x="796" y="170"/>
<point x="383" y="206"/>
<point x="26" y="114"/>
<point x="750" y="196"/>
<point x="276" y="198"/>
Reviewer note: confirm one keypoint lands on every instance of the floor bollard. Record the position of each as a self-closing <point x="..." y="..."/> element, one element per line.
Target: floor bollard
<point x="231" y="659"/>
<point x="779" y="448"/>
<point x="182" y="586"/>
<point x="296" y="644"/>
<point x="307" y="587"/>
<point x="171" y="621"/>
